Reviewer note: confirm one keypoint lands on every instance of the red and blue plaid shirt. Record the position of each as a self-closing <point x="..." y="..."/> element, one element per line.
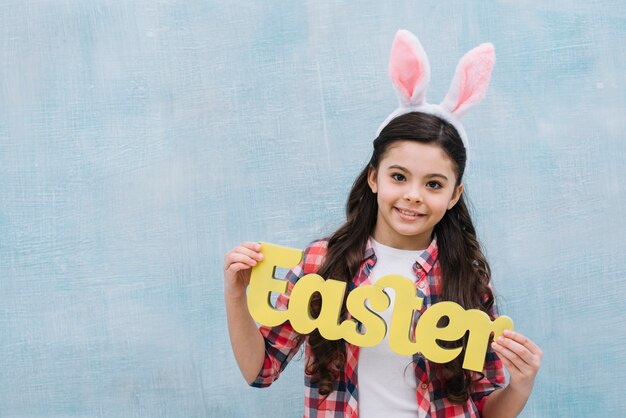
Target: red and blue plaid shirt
<point x="281" y="344"/>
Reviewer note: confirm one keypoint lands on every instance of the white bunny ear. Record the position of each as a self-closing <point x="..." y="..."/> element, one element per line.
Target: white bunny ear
<point x="409" y="69"/>
<point x="471" y="80"/>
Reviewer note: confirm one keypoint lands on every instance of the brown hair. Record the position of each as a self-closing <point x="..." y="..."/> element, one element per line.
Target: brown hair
<point x="465" y="271"/>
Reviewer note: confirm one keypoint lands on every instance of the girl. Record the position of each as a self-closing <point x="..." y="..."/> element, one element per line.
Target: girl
<point x="406" y="215"/>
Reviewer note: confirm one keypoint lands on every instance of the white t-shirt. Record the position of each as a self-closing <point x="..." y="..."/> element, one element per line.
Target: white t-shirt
<point x="387" y="386"/>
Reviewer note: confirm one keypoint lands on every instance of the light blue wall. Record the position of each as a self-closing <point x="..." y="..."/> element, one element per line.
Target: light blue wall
<point x="140" y="140"/>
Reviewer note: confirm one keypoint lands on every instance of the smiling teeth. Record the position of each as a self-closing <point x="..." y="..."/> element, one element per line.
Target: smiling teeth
<point x="404" y="212"/>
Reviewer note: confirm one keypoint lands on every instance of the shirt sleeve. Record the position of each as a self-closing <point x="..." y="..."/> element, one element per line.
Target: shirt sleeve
<point x="492" y="375"/>
<point x="282" y="342"/>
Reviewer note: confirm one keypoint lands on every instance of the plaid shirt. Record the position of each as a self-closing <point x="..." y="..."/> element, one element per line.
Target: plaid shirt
<point x="281" y="345"/>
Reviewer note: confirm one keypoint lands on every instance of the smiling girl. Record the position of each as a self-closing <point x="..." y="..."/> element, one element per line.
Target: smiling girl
<point x="406" y="215"/>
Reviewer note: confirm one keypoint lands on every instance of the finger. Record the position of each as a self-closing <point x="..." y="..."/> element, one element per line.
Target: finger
<point x="507" y="357"/>
<point x="240" y="251"/>
<point x="251" y="249"/>
<point x="519" y="349"/>
<point x="234" y="257"/>
<point x="235" y="267"/>
<point x="510" y="366"/>
<point x="523" y="340"/>
<point x="252" y="252"/>
<point x="255" y="246"/>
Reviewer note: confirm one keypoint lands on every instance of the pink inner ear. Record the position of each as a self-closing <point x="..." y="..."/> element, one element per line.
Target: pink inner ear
<point x="406" y="71"/>
<point x="474" y="76"/>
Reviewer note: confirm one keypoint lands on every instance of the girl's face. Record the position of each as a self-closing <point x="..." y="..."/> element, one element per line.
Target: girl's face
<point x="414" y="186"/>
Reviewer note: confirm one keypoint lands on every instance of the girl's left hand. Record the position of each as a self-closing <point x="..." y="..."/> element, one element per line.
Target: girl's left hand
<point x="521" y="357"/>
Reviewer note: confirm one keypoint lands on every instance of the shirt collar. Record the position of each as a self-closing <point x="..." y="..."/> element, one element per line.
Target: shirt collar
<point x="426" y="259"/>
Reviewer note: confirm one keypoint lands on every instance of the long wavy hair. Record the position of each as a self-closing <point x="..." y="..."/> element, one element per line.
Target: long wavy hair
<point x="464" y="268"/>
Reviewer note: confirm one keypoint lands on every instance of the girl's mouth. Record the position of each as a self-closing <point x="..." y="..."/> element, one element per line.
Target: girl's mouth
<point x="408" y="214"/>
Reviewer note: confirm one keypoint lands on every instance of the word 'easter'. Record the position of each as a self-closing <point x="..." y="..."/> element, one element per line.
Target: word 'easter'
<point x="427" y="333"/>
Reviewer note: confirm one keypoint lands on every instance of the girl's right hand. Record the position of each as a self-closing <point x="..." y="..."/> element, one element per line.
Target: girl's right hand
<point x="237" y="265"/>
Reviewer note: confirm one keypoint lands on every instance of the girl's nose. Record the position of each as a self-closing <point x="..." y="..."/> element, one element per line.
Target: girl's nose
<point x="413" y="195"/>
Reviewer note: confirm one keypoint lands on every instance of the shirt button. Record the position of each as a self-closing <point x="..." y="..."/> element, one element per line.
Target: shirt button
<point x="424" y="386"/>
<point x="420" y="285"/>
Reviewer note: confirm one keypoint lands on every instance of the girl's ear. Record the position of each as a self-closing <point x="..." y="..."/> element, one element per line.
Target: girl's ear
<point x="471" y="80"/>
<point x="371" y="179"/>
<point x="455" y="196"/>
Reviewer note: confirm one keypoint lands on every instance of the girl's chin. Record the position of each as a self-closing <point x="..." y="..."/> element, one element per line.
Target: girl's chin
<point x="404" y="241"/>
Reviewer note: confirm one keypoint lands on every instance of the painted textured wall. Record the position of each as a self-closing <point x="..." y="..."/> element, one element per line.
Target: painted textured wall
<point x="139" y="141"/>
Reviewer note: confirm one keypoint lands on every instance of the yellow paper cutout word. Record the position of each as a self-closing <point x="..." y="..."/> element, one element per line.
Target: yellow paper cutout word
<point x="427" y="333"/>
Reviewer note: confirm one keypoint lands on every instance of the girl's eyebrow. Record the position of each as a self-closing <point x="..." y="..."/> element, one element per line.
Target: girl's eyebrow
<point x="432" y="175"/>
<point x="398" y="167"/>
<point x="437" y="175"/>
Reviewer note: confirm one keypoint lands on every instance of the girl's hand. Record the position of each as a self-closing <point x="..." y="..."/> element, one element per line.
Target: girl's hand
<point x="237" y="265"/>
<point x="521" y="357"/>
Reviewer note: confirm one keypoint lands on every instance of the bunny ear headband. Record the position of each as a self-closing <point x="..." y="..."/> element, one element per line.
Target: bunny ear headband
<point x="409" y="71"/>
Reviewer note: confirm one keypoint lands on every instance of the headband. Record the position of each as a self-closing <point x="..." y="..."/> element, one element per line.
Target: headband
<point x="409" y="71"/>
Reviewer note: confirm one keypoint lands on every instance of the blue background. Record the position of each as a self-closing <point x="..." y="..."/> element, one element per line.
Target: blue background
<point x="139" y="141"/>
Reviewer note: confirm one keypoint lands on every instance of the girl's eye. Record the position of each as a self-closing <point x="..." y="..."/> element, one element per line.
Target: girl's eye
<point x="434" y="185"/>
<point x="398" y="177"/>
